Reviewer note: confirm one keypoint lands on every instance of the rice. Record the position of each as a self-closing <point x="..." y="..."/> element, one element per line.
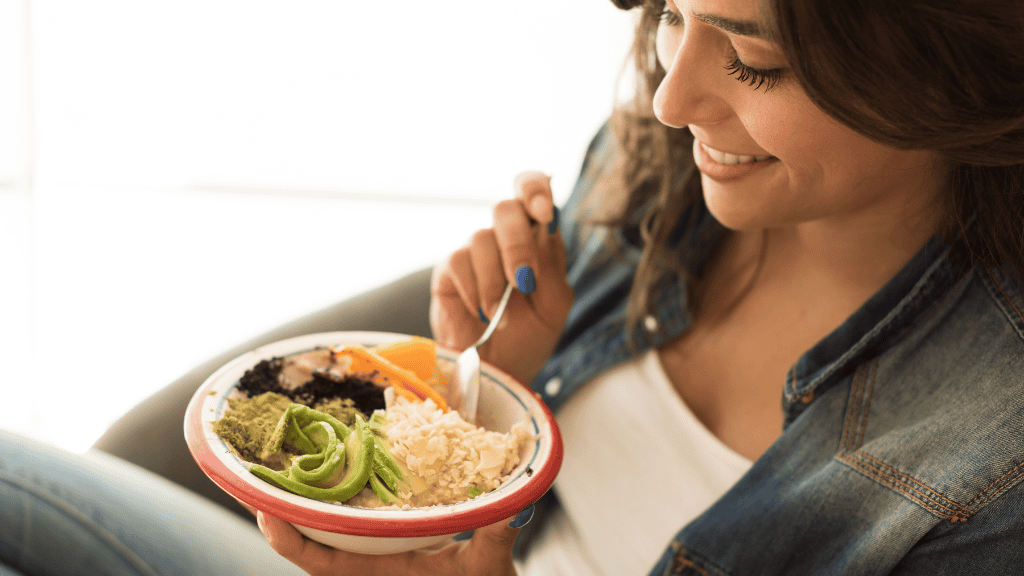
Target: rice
<point x="454" y="459"/>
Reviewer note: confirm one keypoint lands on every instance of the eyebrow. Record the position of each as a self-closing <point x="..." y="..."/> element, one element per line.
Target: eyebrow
<point x="738" y="27"/>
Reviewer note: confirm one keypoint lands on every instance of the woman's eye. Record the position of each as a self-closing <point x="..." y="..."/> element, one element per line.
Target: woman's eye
<point x="755" y="77"/>
<point x="670" y="18"/>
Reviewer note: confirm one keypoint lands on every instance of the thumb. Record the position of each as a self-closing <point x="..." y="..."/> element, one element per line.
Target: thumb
<point x="533" y="189"/>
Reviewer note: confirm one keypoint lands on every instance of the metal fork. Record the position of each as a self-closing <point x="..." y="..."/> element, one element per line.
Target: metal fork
<point x="467" y="365"/>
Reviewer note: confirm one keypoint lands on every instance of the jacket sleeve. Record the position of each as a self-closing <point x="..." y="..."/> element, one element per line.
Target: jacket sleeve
<point x="991" y="542"/>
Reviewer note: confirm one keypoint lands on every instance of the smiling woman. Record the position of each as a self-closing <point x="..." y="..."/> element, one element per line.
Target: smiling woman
<point x="815" y="183"/>
<point x="862" y="94"/>
<point x="780" y="317"/>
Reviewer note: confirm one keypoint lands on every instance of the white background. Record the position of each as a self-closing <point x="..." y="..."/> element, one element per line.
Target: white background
<point x="176" y="177"/>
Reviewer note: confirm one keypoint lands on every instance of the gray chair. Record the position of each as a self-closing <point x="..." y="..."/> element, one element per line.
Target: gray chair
<point x="152" y="434"/>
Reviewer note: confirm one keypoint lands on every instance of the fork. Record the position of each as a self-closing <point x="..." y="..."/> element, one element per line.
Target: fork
<point x="467" y="365"/>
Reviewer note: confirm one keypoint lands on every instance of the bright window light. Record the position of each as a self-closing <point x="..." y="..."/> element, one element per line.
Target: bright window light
<point x="197" y="172"/>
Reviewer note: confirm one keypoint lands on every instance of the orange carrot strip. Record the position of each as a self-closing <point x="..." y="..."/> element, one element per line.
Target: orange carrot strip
<point x="395" y="373"/>
<point x="406" y="393"/>
<point x="418" y="355"/>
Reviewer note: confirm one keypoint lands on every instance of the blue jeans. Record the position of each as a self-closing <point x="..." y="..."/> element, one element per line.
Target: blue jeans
<point x="66" y="514"/>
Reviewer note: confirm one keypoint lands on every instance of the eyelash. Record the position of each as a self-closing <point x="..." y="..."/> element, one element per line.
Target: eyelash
<point x="754" y="77"/>
<point x="669" y="17"/>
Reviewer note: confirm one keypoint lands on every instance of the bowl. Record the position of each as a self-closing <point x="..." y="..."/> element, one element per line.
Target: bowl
<point x="503" y="401"/>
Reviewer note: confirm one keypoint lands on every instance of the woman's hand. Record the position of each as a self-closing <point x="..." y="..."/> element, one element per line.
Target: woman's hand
<point x="523" y="247"/>
<point x="488" y="552"/>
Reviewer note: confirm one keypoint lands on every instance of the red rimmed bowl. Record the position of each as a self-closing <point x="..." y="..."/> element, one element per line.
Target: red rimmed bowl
<point x="503" y="401"/>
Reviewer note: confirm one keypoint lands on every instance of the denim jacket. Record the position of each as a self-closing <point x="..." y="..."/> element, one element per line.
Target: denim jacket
<point x="902" y="450"/>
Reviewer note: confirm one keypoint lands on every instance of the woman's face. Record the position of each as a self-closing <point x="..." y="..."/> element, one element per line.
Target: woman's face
<point x="769" y="157"/>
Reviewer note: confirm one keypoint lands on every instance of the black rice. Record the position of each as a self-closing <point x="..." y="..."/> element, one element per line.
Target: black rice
<point x="324" y="386"/>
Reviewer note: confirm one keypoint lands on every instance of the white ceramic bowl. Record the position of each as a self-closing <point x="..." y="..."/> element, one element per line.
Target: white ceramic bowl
<point x="503" y="401"/>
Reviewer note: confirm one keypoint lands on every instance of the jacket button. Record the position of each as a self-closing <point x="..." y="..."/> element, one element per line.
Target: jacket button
<point x="553" y="387"/>
<point x="651" y="324"/>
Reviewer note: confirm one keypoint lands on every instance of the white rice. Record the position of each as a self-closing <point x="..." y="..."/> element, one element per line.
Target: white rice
<point x="450" y="455"/>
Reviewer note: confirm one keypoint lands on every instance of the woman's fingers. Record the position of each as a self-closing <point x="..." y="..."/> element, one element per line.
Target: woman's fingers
<point x="489" y="552"/>
<point x="459" y="278"/>
<point x="533" y="255"/>
<point x="514" y="234"/>
<point x="534" y="196"/>
<point x="311" y="556"/>
<point x="533" y="189"/>
<point x="554" y="296"/>
<point x="486" y="258"/>
<point x="523" y="247"/>
<point x="454" y="319"/>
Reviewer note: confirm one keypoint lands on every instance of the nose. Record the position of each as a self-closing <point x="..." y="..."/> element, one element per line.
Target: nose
<point x="689" y="92"/>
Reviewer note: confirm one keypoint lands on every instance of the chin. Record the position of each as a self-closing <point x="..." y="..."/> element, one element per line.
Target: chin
<point x="734" y="211"/>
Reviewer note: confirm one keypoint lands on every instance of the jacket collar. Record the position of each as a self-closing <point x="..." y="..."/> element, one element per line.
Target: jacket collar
<point x="872" y="329"/>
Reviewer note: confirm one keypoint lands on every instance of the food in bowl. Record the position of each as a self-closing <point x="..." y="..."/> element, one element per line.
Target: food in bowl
<point x="364" y="426"/>
<point x="503" y="402"/>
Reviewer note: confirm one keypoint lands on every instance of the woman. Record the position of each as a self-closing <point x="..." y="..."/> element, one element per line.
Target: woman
<point x="813" y="201"/>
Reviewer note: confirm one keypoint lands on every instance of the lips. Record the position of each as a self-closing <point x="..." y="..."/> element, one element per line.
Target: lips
<point x="727" y="159"/>
<point x="726" y="167"/>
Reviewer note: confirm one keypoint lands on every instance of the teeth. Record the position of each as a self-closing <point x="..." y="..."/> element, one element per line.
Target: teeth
<point x="726" y="158"/>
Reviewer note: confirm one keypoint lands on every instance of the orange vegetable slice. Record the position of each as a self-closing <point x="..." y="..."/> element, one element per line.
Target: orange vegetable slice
<point x="366" y="360"/>
<point x="406" y="393"/>
<point x="418" y="355"/>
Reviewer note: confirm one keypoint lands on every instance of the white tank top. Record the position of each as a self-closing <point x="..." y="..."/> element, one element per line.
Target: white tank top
<point x="638" y="466"/>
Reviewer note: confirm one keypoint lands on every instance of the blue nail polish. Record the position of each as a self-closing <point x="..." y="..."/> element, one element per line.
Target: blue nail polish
<point x="525" y="280"/>
<point x="523" y="518"/>
<point x="553" y="225"/>
<point x="483" y="317"/>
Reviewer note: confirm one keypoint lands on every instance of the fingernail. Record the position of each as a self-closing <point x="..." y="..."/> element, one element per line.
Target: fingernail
<point x="483" y="317"/>
<point x="523" y="518"/>
<point x="525" y="280"/>
<point x="553" y="225"/>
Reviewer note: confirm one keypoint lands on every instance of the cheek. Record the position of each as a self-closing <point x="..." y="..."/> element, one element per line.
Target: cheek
<point x="778" y="124"/>
<point x="808" y="143"/>
<point x="825" y="166"/>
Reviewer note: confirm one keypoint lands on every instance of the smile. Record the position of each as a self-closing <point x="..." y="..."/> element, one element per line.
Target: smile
<point x="728" y="159"/>
<point x="724" y="167"/>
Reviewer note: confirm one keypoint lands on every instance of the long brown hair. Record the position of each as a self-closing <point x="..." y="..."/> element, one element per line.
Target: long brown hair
<point x="940" y="75"/>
